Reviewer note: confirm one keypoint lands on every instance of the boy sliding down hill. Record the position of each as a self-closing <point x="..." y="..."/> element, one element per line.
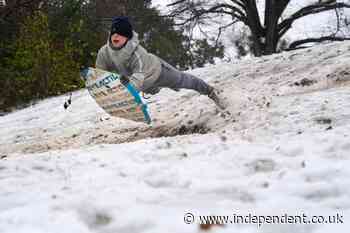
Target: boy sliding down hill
<point x="148" y="73"/>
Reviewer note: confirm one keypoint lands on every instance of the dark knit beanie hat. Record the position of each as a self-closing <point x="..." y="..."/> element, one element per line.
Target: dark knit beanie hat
<point x="121" y="26"/>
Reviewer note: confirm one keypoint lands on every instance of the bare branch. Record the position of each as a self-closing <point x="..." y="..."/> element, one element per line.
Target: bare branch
<point x="308" y="10"/>
<point x="175" y="3"/>
<point x="221" y="29"/>
<point x="295" y="44"/>
<point x="253" y="19"/>
<point x="240" y="3"/>
<point x="233" y="11"/>
<point x="338" y="22"/>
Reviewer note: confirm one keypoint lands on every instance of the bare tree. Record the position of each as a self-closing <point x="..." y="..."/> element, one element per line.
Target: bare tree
<point x="17" y="7"/>
<point x="264" y="35"/>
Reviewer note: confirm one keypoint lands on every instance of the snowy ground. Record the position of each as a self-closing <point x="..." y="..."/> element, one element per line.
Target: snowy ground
<point x="285" y="150"/>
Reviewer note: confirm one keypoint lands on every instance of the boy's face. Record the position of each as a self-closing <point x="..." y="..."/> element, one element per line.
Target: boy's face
<point x="118" y="40"/>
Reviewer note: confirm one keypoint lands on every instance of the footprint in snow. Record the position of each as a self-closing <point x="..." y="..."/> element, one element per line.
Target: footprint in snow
<point x="262" y="165"/>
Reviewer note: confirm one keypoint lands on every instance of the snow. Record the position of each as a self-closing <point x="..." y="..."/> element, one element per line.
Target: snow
<point x="284" y="150"/>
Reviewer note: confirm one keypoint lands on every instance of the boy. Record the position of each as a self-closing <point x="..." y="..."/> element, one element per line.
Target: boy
<point x="148" y="73"/>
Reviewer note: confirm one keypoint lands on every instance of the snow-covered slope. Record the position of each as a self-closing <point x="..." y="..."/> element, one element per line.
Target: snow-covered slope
<point x="284" y="150"/>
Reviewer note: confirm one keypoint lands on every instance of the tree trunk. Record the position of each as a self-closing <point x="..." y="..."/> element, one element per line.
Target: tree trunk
<point x="253" y="22"/>
<point x="257" y="45"/>
<point x="271" y="20"/>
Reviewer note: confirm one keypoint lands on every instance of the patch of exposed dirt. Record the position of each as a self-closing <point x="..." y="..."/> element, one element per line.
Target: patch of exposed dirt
<point x="105" y="136"/>
<point x="305" y="82"/>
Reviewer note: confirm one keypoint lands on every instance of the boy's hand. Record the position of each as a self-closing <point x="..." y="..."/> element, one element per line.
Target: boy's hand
<point x="124" y="80"/>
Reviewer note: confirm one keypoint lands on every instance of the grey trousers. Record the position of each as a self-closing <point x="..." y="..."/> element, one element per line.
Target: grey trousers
<point x="172" y="78"/>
